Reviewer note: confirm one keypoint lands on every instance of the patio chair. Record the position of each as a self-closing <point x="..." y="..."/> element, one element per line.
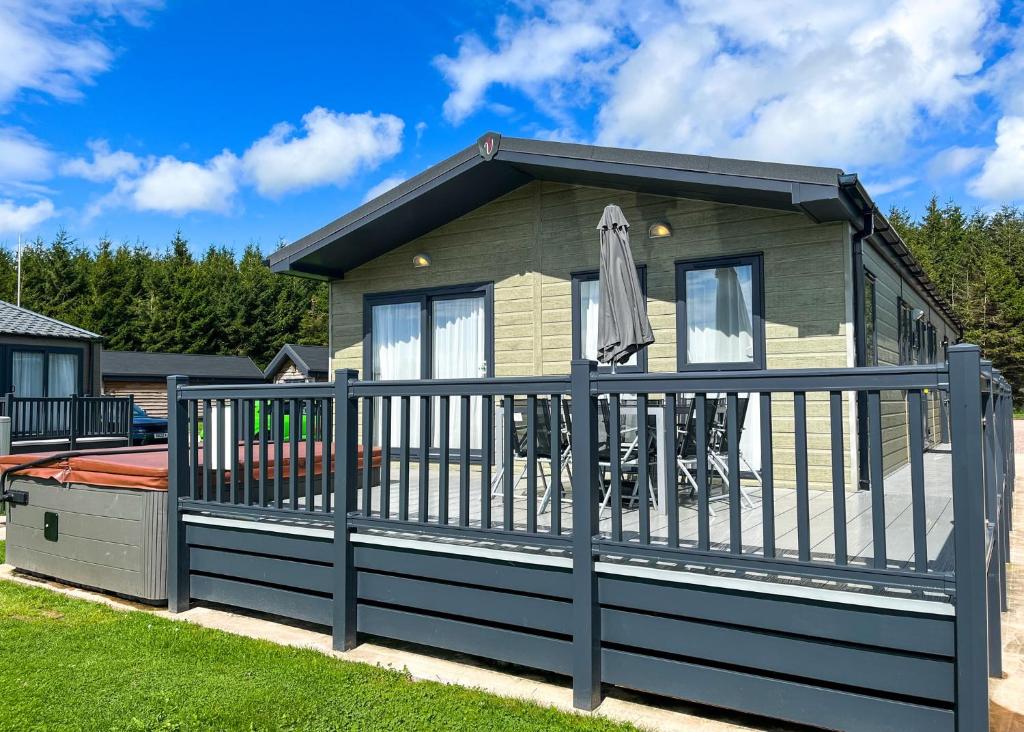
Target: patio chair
<point x="520" y="450"/>
<point x="718" y="448"/>
<point x="686" y="430"/>
<point x="631" y="453"/>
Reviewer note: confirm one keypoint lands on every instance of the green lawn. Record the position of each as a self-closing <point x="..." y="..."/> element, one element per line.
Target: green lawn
<point x="68" y="664"/>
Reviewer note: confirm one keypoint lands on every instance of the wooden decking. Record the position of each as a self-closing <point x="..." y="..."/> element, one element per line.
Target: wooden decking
<point x="898" y="517"/>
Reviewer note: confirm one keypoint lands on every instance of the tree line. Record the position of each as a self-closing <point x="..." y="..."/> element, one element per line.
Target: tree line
<point x="976" y="260"/>
<point x="141" y="299"/>
<point x="169" y="300"/>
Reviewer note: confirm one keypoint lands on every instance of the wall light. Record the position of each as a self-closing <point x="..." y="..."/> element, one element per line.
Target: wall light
<point x="420" y="261"/>
<point x="659" y="231"/>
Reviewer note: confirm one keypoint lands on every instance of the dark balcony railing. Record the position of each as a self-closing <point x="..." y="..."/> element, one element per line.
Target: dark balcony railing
<point x="593" y="475"/>
<point x="73" y="419"/>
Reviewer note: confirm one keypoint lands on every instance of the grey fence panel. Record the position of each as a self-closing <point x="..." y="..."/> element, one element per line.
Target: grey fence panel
<point x="759" y="651"/>
<point x="524" y="649"/>
<point x="262" y="598"/>
<point x="781" y="699"/>
<point x="472" y="603"/>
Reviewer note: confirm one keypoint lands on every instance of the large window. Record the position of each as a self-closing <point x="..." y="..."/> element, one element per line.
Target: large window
<point x="870" y="320"/>
<point x="38" y="372"/>
<point x="446" y="333"/>
<point x="586" y="295"/>
<point x="719" y="314"/>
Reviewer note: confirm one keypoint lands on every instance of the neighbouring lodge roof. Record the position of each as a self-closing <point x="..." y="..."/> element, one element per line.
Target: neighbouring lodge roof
<point x="309" y="360"/>
<point x="142" y="365"/>
<point x="496" y="165"/>
<point x="15" y="320"/>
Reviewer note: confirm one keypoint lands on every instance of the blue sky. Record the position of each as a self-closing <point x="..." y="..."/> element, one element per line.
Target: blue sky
<point x="259" y="122"/>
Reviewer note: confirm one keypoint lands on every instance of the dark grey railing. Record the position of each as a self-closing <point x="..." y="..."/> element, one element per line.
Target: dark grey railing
<point x="258" y="447"/>
<point x="72" y="418"/>
<point x="225" y="459"/>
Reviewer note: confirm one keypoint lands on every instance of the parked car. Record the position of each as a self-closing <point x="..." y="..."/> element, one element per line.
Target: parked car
<point x="147" y="430"/>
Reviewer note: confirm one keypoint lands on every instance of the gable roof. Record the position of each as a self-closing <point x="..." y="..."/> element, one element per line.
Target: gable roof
<point x="496" y="165"/>
<point x="21" y="321"/>
<point x="309" y="360"/>
<point x="143" y="365"/>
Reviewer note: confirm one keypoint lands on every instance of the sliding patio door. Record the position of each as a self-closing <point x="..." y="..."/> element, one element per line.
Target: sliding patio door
<point x="397" y="354"/>
<point x="458" y="352"/>
<point x="438" y="335"/>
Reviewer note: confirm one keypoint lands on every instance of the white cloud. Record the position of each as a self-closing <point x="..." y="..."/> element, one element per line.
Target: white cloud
<point x="538" y="56"/>
<point x="845" y="84"/>
<point x="105" y="165"/>
<point x="334" y="147"/>
<point x="22" y="157"/>
<point x="955" y="160"/>
<point x="1002" y="177"/>
<point x="384" y="186"/>
<point x="55" y="46"/>
<point x="883" y="187"/>
<point x="21" y="219"/>
<point x="177" y="187"/>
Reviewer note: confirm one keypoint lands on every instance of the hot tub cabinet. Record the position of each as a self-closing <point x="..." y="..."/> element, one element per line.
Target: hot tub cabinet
<point x="112" y="539"/>
<point x="98" y="521"/>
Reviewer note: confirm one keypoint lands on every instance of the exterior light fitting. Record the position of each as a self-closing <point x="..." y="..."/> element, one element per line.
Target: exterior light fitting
<point x="421" y="261"/>
<point x="659" y="230"/>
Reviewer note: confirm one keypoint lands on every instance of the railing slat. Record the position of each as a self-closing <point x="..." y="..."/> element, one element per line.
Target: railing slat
<point x="877" y="485"/>
<point x="207" y="429"/>
<point x="508" y="466"/>
<point x="385" y="457"/>
<point x="326" y="450"/>
<point x="735" y="504"/>
<point x="487" y="450"/>
<point x="555" y="488"/>
<point x="464" y="450"/>
<point x="615" y="465"/>
<point x="767" y="479"/>
<point x="803" y="514"/>
<point x="531" y="463"/>
<point x="311" y="429"/>
<point x="444" y="445"/>
<point x="838" y="477"/>
<point x="264" y="435"/>
<point x="278" y="452"/>
<point x="703" y="505"/>
<point x="294" y="431"/>
<point x="236" y="489"/>
<point x="193" y="444"/>
<point x="367" y="471"/>
<point x="425" y="441"/>
<point x="643" y="469"/>
<point x="248" y="407"/>
<point x="404" y="418"/>
<point x="671" y="471"/>
<point x="917" y="505"/>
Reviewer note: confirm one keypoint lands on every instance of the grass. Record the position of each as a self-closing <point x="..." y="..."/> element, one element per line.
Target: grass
<point x="70" y="664"/>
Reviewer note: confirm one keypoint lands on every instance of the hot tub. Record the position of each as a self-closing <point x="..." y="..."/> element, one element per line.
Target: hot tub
<point x="97" y="519"/>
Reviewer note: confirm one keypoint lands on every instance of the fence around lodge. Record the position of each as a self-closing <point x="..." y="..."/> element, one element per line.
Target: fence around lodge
<point x="464" y="562"/>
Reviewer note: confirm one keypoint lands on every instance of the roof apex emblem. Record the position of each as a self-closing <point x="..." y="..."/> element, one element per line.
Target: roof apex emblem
<point x="488" y="144"/>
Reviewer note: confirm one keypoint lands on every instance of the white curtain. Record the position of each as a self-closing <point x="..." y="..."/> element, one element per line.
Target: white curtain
<point x="590" y="294"/>
<point x="62" y="379"/>
<point x="27" y="373"/>
<point x="719" y="322"/>
<point x="719" y="318"/>
<point x="396" y="355"/>
<point x="458" y="353"/>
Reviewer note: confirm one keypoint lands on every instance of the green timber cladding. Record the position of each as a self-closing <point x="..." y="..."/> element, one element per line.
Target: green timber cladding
<point x="521" y="219"/>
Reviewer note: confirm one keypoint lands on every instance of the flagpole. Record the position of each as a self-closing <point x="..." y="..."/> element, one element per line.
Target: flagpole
<point x="18" y="303"/>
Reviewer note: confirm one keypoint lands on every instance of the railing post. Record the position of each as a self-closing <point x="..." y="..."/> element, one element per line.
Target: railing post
<point x="586" y="640"/>
<point x="969" y="538"/>
<point x="131" y="418"/>
<point x="75" y="418"/>
<point x="177" y="481"/>
<point x="346" y="427"/>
